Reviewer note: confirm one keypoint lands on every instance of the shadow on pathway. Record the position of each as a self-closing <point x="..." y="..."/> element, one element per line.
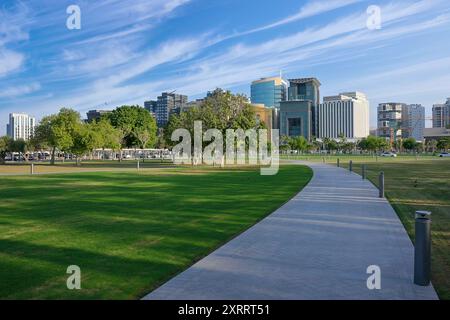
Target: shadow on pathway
<point x="316" y="246"/>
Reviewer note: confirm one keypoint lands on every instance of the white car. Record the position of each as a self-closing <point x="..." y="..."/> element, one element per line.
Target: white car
<point x="388" y="154"/>
<point x="444" y="154"/>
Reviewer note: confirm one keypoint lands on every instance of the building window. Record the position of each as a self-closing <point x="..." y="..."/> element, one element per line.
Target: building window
<point x="294" y="127"/>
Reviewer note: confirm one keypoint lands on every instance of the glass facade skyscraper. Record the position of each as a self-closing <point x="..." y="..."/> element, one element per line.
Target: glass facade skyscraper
<point x="269" y="91"/>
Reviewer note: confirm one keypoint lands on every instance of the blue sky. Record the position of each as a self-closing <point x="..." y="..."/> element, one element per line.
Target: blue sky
<point x="129" y="51"/>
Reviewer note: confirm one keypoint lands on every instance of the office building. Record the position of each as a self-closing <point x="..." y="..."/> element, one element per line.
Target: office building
<point x="20" y="126"/>
<point x="268" y="91"/>
<point x="95" y="115"/>
<point x="164" y="105"/>
<point x="297" y="115"/>
<point x="346" y="114"/>
<point x="150" y="106"/>
<point x="390" y="120"/>
<point x="265" y="115"/>
<point x="413" y="121"/>
<point x="441" y="115"/>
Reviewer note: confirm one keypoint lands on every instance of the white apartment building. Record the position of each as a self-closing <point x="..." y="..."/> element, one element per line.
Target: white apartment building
<point x="413" y="121"/>
<point x="21" y="126"/>
<point x="345" y="114"/>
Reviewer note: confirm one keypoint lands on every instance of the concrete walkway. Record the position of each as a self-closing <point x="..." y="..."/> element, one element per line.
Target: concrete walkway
<point x="316" y="246"/>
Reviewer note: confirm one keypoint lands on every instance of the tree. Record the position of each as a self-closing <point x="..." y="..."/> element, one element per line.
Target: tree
<point x="20" y="146"/>
<point x="86" y="137"/>
<point x="342" y="142"/>
<point x="409" y="144"/>
<point x="57" y="131"/>
<point x="81" y="142"/>
<point x="431" y="145"/>
<point x="315" y="144"/>
<point x="443" y="144"/>
<point x="5" y="143"/>
<point x="398" y="145"/>
<point x="330" y="144"/>
<point x="284" y="143"/>
<point x="381" y="144"/>
<point x="143" y="136"/>
<point x="348" y="146"/>
<point x="373" y="144"/>
<point x="298" y="143"/>
<point x="137" y="125"/>
<point x="221" y="110"/>
<point x="119" y="140"/>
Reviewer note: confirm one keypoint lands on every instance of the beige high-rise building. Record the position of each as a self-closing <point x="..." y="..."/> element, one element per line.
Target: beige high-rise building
<point x="344" y="114"/>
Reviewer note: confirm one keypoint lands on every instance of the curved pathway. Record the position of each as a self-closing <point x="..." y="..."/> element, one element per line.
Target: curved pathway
<point x="316" y="246"/>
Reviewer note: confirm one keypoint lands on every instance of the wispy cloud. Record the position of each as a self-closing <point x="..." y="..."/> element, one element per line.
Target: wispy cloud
<point x="11" y="32"/>
<point x="121" y="56"/>
<point x="11" y="92"/>
<point x="10" y="61"/>
<point x="310" y="9"/>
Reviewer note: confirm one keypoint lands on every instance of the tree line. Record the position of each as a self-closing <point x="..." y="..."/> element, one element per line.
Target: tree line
<point x="371" y="144"/>
<point x="135" y="127"/>
<point x="131" y="126"/>
<point x="65" y="131"/>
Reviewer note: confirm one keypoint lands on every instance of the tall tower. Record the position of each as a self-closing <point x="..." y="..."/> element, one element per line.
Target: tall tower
<point x="297" y="114"/>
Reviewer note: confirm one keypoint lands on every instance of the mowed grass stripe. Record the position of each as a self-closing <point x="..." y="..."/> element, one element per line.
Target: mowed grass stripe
<point x="128" y="232"/>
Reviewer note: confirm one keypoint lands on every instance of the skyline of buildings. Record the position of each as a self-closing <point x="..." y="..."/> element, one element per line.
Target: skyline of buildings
<point x="295" y="109"/>
<point x="398" y="121"/>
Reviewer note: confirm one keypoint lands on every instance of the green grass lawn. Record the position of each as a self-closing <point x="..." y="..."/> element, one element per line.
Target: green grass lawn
<point x="418" y="185"/>
<point x="127" y="231"/>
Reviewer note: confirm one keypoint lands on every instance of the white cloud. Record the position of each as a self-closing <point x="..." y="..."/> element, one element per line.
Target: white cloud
<point x="173" y="51"/>
<point x="10" y="92"/>
<point x="11" y="32"/>
<point x="227" y="67"/>
<point x="10" y="61"/>
<point x="312" y="8"/>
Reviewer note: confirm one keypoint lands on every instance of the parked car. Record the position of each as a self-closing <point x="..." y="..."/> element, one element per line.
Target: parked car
<point x="388" y="154"/>
<point x="18" y="158"/>
<point x="444" y="154"/>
